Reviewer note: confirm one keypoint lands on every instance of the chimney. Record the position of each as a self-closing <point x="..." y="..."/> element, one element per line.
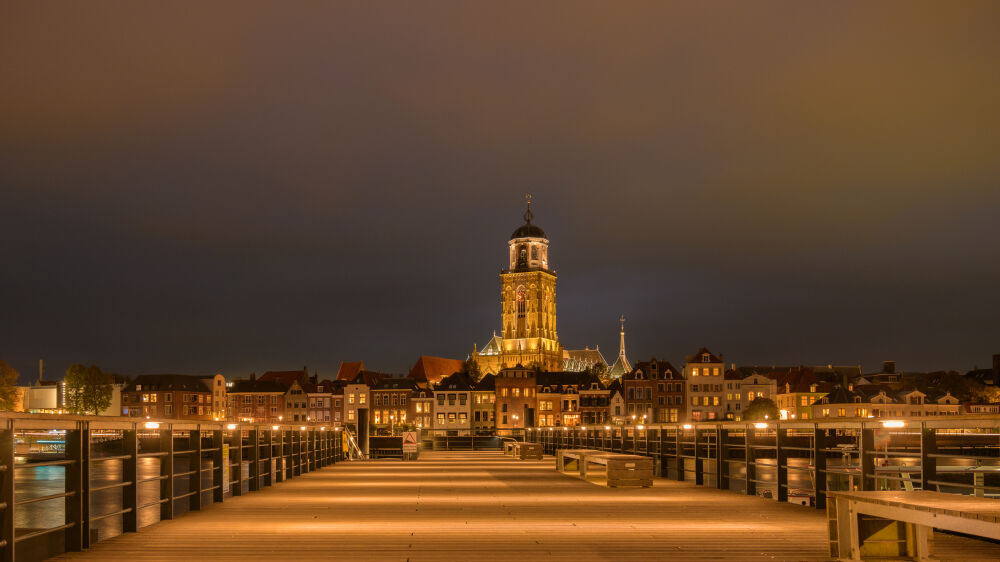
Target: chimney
<point x="996" y="368"/>
<point x="888" y="366"/>
<point x="41" y="367"/>
<point x="253" y="376"/>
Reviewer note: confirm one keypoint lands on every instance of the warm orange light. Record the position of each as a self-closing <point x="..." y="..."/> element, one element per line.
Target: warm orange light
<point x="152" y="425"/>
<point x="274" y="427"/>
<point x="231" y="426"/>
<point x="760" y="425"/>
<point x="686" y="426"/>
<point x="893" y="423"/>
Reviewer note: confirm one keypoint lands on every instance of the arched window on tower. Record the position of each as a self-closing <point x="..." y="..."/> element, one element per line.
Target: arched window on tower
<point x="522" y="256"/>
<point x="534" y="252"/>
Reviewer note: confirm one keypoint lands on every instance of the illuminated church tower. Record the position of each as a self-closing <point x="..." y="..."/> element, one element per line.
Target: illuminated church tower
<point x="528" y="306"/>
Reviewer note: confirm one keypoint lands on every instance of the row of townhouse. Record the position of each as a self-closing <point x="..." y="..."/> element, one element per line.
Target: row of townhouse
<point x="653" y="391"/>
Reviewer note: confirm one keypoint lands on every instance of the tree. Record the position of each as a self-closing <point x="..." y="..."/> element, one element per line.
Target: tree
<point x="88" y="389"/>
<point x="761" y="409"/>
<point x="470" y="368"/>
<point x="601" y="370"/>
<point x="8" y="386"/>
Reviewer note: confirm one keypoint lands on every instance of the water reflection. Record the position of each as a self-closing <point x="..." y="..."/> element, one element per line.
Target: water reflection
<point x="48" y="480"/>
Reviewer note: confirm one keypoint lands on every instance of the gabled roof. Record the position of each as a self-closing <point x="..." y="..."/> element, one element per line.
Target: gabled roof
<point x="839" y="395"/>
<point x="286" y="378"/>
<point x="580" y="359"/>
<point x="433" y="369"/>
<point x="486" y="384"/>
<point x="256" y="385"/>
<point x="191" y="383"/>
<point x="349" y="369"/>
<point x="455" y="381"/>
<point x="696" y="358"/>
<point x="368" y="378"/>
<point x="404" y="383"/>
<point x="620" y="368"/>
<point x="561" y="378"/>
<point x="493" y="347"/>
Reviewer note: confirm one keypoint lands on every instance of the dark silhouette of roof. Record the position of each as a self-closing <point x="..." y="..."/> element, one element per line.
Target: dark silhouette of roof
<point x="287" y="378"/>
<point x="455" y="381"/>
<point x="696" y="358"/>
<point x="349" y="369"/>
<point x="257" y="385"/>
<point x="190" y="383"/>
<point x="486" y="384"/>
<point x="404" y="383"/>
<point x="433" y="369"/>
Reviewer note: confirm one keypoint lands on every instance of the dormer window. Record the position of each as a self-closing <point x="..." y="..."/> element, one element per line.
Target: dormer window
<point x="704" y="358"/>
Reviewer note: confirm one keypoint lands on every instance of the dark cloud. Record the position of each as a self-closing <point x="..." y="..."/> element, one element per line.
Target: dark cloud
<point x="246" y="187"/>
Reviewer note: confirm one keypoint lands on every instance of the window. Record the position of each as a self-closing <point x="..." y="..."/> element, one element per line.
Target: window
<point x="704" y="400"/>
<point x="362" y="398"/>
<point x="694" y="400"/>
<point x="440" y="417"/>
<point x="503" y="392"/>
<point x="631" y="394"/>
<point x="661" y="400"/>
<point x="463" y="417"/>
<point x="715" y="400"/>
<point x="841" y="412"/>
<point x="451" y="417"/>
<point x="462" y="399"/>
<point x="805" y="400"/>
<point x="451" y="399"/>
<point x="618" y="410"/>
<point x="649" y="393"/>
<point x="694" y="372"/>
<point x="516" y="392"/>
<point x="350" y="398"/>
<point x="168" y="397"/>
<point x="659" y="387"/>
<point x="168" y="409"/>
<point x="440" y="398"/>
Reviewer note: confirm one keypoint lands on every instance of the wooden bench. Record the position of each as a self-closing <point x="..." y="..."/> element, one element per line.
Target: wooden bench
<point x="564" y="455"/>
<point x="523" y="450"/>
<point x="623" y="470"/>
<point x="901" y="523"/>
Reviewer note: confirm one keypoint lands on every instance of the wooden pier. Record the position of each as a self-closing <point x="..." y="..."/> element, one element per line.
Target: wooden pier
<point x="482" y="505"/>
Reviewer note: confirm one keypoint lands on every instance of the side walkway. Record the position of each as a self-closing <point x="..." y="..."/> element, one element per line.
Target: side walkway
<point x="465" y="506"/>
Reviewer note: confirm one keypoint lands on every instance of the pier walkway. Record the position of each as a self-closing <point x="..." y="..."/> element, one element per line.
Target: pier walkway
<point x="481" y="505"/>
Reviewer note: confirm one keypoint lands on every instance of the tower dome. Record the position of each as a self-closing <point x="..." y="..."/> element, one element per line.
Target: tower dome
<point x="529" y="247"/>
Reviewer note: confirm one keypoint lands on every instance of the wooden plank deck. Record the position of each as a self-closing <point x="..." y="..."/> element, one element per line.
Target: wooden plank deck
<point x="482" y="505"/>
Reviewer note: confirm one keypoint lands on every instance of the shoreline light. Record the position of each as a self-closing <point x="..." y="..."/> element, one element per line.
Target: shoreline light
<point x="893" y="423"/>
<point x="760" y="425"/>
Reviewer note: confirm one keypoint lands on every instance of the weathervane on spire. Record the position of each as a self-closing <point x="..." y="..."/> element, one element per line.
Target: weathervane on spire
<point x="527" y="214"/>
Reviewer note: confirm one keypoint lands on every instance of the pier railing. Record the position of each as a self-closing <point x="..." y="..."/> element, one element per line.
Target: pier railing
<point x="194" y="463"/>
<point x="800" y="461"/>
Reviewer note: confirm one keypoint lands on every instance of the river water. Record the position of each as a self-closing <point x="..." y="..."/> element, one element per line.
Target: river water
<point x="47" y="480"/>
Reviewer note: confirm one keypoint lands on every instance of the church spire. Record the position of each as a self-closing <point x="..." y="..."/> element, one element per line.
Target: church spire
<point x="621" y="366"/>
<point x="528" y="215"/>
<point x="621" y="344"/>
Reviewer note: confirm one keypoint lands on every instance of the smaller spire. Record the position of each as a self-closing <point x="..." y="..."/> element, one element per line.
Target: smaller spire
<point x="528" y="214"/>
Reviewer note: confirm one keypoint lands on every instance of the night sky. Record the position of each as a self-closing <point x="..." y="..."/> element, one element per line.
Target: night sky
<point x="227" y="188"/>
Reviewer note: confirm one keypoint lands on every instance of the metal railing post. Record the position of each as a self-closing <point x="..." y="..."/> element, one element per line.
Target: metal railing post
<point x="236" y="452"/>
<point x="167" y="474"/>
<point x="219" y="463"/>
<point x="699" y="465"/>
<point x="781" y="461"/>
<point x="254" y="438"/>
<point x="928" y="462"/>
<point x="678" y="458"/>
<point x="721" y="458"/>
<point x="7" y="494"/>
<point x="751" y="462"/>
<point x="130" y="474"/>
<point x="819" y="461"/>
<point x="194" y="479"/>
<point x="866" y="450"/>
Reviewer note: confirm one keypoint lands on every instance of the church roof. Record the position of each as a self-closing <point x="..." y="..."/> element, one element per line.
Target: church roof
<point x="349" y="369"/>
<point x="433" y="369"/>
<point x="494" y="347"/>
<point x="580" y="359"/>
<point x="620" y="368"/>
<point x="528" y="231"/>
